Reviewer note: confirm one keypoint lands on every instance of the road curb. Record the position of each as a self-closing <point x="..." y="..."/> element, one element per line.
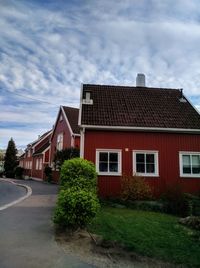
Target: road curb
<point x="28" y="193"/>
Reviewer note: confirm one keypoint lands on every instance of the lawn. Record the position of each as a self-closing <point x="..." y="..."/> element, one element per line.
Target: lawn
<point x="149" y="233"/>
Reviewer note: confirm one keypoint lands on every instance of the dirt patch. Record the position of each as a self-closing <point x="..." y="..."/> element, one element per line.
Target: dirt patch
<point x="100" y="253"/>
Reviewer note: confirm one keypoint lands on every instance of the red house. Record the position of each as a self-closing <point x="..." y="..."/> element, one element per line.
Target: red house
<point x="152" y="132"/>
<point x="36" y="156"/>
<point x="66" y="133"/>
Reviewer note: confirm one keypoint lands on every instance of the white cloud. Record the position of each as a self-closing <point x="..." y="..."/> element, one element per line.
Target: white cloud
<point x="46" y="52"/>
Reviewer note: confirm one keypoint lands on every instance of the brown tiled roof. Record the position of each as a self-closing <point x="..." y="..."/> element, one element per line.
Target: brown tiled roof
<point x="42" y="148"/>
<point x="40" y="138"/>
<point x="72" y="116"/>
<point x="138" y="107"/>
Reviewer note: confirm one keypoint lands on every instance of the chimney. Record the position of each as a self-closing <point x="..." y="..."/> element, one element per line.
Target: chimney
<point x="140" y="80"/>
<point x="87" y="99"/>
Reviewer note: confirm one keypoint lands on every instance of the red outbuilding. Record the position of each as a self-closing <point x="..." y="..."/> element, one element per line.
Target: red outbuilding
<point x="66" y="134"/>
<point x="151" y="132"/>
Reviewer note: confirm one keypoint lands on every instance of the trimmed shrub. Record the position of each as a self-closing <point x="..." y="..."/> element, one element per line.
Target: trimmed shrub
<point x="75" y="208"/>
<point x="66" y="154"/>
<point x="19" y="172"/>
<point x="78" y="173"/>
<point x="176" y="202"/>
<point x="135" y="188"/>
<point x="48" y="173"/>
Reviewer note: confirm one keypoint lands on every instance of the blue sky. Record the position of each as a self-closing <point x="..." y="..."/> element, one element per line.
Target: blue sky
<point x="48" y="48"/>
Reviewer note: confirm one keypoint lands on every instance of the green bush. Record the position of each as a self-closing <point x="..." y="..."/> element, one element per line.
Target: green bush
<point x="75" y="208"/>
<point x="48" y="174"/>
<point x="135" y="188"/>
<point x="176" y="202"/>
<point x="65" y="154"/>
<point x="19" y="172"/>
<point x="78" y="173"/>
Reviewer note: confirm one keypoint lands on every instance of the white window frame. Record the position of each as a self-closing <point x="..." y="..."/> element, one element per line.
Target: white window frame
<point x="40" y="163"/>
<point x="183" y="175"/>
<point x="156" y="173"/>
<point x="37" y="164"/>
<point x="59" y="142"/>
<point x="107" y="173"/>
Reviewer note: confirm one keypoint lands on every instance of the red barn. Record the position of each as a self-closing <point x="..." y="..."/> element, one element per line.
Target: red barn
<point x="66" y="133"/>
<point x="152" y="132"/>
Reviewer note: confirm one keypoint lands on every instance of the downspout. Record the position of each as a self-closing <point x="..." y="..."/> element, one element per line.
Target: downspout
<point x="82" y="143"/>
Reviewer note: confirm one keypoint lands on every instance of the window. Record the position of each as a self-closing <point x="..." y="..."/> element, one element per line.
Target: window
<point x="189" y="164"/>
<point x="108" y="162"/>
<point x="37" y="164"/>
<point x="59" y="142"/>
<point x="40" y="164"/>
<point x="61" y="118"/>
<point x="145" y="163"/>
<point x="29" y="153"/>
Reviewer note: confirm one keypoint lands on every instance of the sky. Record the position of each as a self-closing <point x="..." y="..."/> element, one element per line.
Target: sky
<point x="48" y="48"/>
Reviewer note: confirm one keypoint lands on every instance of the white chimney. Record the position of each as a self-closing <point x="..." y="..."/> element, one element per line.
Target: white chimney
<point x="140" y="80"/>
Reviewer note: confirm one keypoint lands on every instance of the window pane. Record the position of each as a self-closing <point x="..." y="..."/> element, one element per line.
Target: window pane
<point x="187" y="170"/>
<point x="195" y="160"/>
<point x="103" y="167"/>
<point x="150" y="168"/>
<point x="186" y="164"/>
<point x="195" y="164"/>
<point x="113" y="167"/>
<point x="186" y="160"/>
<point x="140" y="158"/>
<point x="103" y="157"/>
<point x="140" y="168"/>
<point x="149" y="158"/>
<point x="113" y="157"/>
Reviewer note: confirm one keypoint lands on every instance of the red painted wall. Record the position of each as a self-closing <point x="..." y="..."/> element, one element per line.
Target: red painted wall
<point x="168" y="147"/>
<point x="46" y="157"/>
<point x="61" y="127"/>
<point x="36" y="173"/>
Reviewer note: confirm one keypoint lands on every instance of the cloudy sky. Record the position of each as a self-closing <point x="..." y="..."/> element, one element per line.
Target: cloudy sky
<point x="48" y="48"/>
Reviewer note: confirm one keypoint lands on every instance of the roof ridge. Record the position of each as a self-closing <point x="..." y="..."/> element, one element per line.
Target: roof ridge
<point x="128" y="86"/>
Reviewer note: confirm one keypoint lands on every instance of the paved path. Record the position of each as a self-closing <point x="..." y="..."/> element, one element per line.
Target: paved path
<point x="27" y="233"/>
<point x="10" y="192"/>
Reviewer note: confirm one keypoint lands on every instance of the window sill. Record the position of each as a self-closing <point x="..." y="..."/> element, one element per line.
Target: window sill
<point x="146" y="175"/>
<point x="109" y="174"/>
<point x="190" y="176"/>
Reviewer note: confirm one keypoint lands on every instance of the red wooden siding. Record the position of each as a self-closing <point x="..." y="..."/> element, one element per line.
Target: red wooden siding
<point x="36" y="173"/>
<point x="168" y="147"/>
<point x="46" y="156"/>
<point x="61" y="127"/>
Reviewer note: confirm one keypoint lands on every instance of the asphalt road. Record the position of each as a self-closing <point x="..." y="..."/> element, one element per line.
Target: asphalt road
<point x="27" y="233"/>
<point x="10" y="192"/>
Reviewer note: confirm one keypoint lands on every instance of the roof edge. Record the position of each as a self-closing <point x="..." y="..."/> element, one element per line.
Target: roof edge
<point x="149" y="129"/>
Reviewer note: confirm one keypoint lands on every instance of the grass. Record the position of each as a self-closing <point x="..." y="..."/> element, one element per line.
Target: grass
<point x="150" y="234"/>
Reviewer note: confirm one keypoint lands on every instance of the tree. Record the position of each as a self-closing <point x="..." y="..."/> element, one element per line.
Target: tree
<point x="10" y="159"/>
<point x="65" y="154"/>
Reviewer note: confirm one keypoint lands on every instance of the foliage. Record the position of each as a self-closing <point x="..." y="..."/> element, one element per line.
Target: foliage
<point x="10" y="159"/>
<point x="192" y="222"/>
<point x="48" y="173"/>
<point x="75" y="207"/>
<point x="77" y="200"/>
<point x="19" y="172"/>
<point x="78" y="173"/>
<point x="152" y="234"/>
<point x="176" y="202"/>
<point x="135" y="188"/>
<point x="66" y="154"/>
